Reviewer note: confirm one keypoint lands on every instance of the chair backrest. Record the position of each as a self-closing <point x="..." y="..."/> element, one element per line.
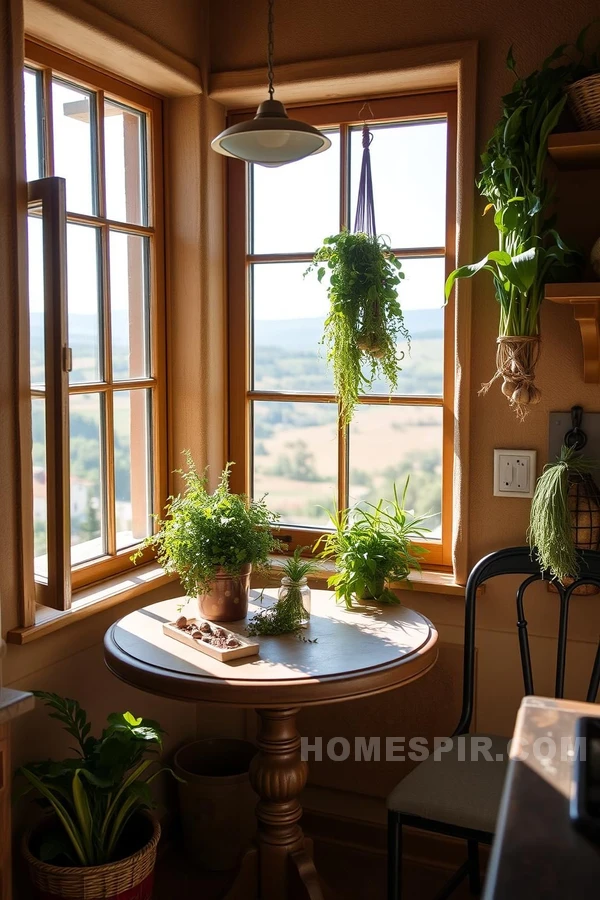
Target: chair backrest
<point x="521" y="561"/>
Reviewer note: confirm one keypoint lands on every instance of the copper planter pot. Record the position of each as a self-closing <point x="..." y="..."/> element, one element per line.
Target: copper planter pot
<point x="227" y="600"/>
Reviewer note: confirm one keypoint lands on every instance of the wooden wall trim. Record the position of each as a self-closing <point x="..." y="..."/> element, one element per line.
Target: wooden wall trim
<point x="315" y="81"/>
<point x="83" y="31"/>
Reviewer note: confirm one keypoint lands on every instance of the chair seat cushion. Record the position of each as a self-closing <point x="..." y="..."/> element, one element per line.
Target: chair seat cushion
<point x="459" y="788"/>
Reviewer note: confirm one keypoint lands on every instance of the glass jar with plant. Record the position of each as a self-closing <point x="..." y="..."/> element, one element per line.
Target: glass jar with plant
<point x="213" y="541"/>
<point x="292" y="610"/>
<point x="372" y="545"/>
<point x="98" y="838"/>
<point x="365" y="318"/>
<point x="530" y="252"/>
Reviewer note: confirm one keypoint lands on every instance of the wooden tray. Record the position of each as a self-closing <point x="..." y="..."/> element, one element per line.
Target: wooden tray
<point x="248" y="646"/>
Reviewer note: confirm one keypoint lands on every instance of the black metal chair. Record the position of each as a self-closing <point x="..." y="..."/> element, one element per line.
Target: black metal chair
<point x="454" y="795"/>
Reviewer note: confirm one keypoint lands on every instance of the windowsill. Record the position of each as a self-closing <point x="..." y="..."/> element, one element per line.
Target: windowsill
<point x="134" y="584"/>
<point x="91" y="600"/>
<point x="427" y="580"/>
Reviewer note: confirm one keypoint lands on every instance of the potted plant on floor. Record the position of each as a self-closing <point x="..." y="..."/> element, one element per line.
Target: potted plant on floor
<point x="371" y="547"/>
<point x="99" y="839"/>
<point x="530" y="252"/>
<point x="212" y="541"/>
<point x="365" y="318"/>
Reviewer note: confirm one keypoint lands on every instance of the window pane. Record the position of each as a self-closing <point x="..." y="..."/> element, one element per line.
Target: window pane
<point x="87" y="478"/>
<point x="289" y="312"/>
<point x="130" y="305"/>
<point x="387" y="443"/>
<point x="133" y="465"/>
<point x="40" y="510"/>
<point x="125" y="161"/>
<point x="295" y="459"/>
<point x="33" y="132"/>
<point x="83" y="288"/>
<point x="295" y="207"/>
<point x="421" y="295"/>
<point x="73" y="121"/>
<point x="35" y="275"/>
<point x="409" y="181"/>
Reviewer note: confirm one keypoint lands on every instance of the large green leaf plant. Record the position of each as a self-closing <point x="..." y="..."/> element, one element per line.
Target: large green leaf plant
<point x="514" y="181"/>
<point x="95" y="793"/>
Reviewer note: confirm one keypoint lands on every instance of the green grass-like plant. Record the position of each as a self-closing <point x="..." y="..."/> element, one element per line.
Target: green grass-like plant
<point x="95" y="793"/>
<point x="204" y="533"/>
<point x="365" y="318"/>
<point x="288" y="615"/>
<point x="372" y="545"/>
<point x="550" y="533"/>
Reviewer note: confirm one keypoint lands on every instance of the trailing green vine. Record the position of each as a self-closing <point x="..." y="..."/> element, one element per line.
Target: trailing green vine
<point x="365" y="318"/>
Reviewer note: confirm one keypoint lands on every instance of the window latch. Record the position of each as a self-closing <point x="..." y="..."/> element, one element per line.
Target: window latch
<point x="67" y="359"/>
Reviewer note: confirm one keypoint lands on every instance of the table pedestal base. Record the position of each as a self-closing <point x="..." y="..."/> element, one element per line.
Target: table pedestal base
<point x="280" y="867"/>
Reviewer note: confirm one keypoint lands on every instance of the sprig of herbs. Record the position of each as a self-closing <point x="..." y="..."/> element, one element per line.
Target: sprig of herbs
<point x="288" y="615"/>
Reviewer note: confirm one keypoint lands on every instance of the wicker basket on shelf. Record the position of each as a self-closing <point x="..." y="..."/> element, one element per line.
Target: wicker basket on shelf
<point x="126" y="879"/>
<point x="584" y="102"/>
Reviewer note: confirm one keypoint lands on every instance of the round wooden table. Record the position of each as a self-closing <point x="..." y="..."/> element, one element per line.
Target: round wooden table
<point x="341" y="655"/>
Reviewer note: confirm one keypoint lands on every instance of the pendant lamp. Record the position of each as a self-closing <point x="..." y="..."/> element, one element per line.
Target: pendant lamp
<point x="271" y="138"/>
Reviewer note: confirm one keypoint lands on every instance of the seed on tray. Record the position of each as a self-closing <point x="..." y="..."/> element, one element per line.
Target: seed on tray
<point x="181" y="622"/>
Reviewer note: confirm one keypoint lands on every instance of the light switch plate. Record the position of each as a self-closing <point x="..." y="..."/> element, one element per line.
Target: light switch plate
<point x="514" y="473"/>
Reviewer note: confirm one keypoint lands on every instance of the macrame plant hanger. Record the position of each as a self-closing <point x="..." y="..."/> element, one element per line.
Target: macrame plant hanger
<point x="364" y="221"/>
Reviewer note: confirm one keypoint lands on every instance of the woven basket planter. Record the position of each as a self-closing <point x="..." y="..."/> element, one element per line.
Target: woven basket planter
<point x="126" y="879"/>
<point x="584" y="102"/>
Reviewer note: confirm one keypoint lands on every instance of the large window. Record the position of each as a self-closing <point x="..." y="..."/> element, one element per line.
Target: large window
<point x="285" y="433"/>
<point x="95" y="258"/>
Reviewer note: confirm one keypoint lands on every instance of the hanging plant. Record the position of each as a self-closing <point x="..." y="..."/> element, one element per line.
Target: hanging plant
<point x="365" y="318"/>
<point x="530" y="251"/>
<point x="557" y="523"/>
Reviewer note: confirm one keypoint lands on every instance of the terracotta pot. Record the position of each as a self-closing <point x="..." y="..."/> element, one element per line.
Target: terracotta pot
<point x="130" y="878"/>
<point x="228" y="597"/>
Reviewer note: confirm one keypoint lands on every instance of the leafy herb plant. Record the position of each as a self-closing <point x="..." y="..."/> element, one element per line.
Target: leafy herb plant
<point x="530" y="251"/>
<point x="365" y="318"/>
<point x="372" y="546"/>
<point x="550" y="532"/>
<point x="288" y="614"/>
<point x="95" y="793"/>
<point x="205" y="532"/>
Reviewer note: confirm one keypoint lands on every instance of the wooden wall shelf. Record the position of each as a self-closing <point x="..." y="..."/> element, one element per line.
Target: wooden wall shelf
<point x="585" y="300"/>
<point x="575" y="149"/>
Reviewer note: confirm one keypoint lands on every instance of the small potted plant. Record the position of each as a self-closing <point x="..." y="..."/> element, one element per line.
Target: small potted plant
<point x="292" y="610"/>
<point x="212" y="541"/>
<point x="365" y="318"/>
<point x="99" y="839"/>
<point x="373" y="546"/>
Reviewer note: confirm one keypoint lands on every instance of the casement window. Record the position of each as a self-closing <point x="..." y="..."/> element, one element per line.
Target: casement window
<point x="285" y="433"/>
<point x="96" y="319"/>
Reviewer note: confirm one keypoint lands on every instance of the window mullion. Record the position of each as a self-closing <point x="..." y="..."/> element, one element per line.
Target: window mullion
<point x="48" y="127"/>
<point x="344" y="177"/>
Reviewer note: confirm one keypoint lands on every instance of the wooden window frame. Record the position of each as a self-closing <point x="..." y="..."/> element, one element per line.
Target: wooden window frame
<point x="57" y="591"/>
<point x="344" y="115"/>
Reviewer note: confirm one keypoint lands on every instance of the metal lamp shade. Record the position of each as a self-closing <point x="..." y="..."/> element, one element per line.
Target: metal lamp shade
<point x="271" y="138"/>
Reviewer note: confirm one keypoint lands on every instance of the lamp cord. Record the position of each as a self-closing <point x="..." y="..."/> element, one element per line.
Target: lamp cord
<point x="270" y="48"/>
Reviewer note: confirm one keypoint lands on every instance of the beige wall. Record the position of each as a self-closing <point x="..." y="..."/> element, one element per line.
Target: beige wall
<point x="312" y="30"/>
